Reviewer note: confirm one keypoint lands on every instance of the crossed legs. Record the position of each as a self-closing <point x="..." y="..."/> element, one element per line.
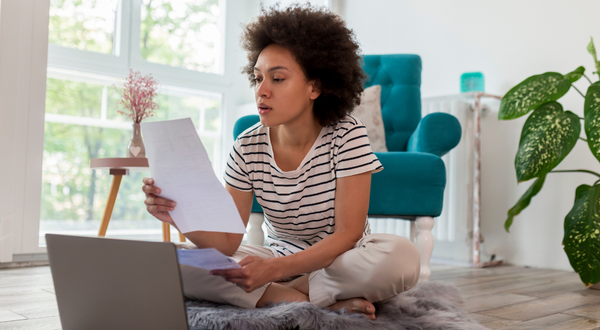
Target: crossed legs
<point x="379" y="267"/>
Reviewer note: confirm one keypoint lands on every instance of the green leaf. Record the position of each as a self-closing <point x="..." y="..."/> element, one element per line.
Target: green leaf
<point x="582" y="234"/>
<point x="591" y="112"/>
<point x="592" y="50"/>
<point x="532" y="93"/>
<point x="574" y="75"/>
<point x="524" y="200"/>
<point x="548" y="136"/>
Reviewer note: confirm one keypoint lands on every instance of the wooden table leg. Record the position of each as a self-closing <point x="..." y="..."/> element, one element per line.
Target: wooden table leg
<point x="166" y="231"/>
<point x="181" y="237"/>
<point x="110" y="204"/>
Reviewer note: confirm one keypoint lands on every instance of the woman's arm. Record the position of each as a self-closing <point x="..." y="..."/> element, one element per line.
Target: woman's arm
<point x="227" y="243"/>
<point x="351" y="207"/>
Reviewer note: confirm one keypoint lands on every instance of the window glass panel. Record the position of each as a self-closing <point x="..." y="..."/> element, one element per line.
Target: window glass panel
<point x="82" y="123"/>
<point x="73" y="98"/>
<point x="182" y="34"/>
<point x="86" y="25"/>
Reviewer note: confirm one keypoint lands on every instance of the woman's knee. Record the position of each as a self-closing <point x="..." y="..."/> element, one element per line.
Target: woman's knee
<point x="399" y="261"/>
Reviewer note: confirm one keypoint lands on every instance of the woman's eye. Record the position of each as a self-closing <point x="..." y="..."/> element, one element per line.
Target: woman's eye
<point x="277" y="79"/>
<point x="257" y="79"/>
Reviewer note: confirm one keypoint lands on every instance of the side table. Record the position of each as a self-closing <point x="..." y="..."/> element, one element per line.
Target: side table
<point x="117" y="168"/>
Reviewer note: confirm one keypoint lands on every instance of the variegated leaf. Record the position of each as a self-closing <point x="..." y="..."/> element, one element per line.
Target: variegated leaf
<point x="582" y="234"/>
<point x="574" y="75"/>
<point x="532" y="93"/>
<point x="524" y="201"/>
<point x="549" y="134"/>
<point x="591" y="111"/>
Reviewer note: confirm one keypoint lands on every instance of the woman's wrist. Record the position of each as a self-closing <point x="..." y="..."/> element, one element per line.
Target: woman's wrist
<point x="277" y="267"/>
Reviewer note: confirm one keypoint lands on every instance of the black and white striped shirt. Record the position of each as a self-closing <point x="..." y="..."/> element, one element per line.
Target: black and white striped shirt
<point x="299" y="204"/>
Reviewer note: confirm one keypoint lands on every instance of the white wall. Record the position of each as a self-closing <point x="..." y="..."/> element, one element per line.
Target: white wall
<point x="508" y="41"/>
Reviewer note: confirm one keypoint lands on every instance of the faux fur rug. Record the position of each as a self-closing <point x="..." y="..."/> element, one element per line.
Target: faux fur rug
<point x="429" y="305"/>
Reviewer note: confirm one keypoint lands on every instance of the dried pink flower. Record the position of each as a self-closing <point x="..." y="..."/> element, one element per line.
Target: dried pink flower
<point x="137" y="98"/>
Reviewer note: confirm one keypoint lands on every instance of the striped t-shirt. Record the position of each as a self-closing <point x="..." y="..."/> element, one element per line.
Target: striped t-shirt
<point x="299" y="204"/>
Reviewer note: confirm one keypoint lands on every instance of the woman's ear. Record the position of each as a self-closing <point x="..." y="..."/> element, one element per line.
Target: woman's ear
<point x="315" y="89"/>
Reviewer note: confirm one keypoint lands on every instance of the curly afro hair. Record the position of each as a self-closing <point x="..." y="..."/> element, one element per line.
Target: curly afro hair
<point x="321" y="44"/>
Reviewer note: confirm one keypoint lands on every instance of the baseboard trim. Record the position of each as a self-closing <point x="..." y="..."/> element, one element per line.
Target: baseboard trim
<point x="26" y="260"/>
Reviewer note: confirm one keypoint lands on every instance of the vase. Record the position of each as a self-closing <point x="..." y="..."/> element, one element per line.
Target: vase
<point x="136" y="149"/>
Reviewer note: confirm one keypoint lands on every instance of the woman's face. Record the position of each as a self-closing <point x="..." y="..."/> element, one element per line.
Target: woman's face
<point x="282" y="94"/>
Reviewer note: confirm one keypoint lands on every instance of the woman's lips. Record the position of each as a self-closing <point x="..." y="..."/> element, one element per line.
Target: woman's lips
<point x="262" y="111"/>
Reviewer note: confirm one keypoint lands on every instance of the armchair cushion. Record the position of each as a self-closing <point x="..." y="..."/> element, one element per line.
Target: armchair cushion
<point x="437" y="133"/>
<point x="369" y="112"/>
<point x="411" y="184"/>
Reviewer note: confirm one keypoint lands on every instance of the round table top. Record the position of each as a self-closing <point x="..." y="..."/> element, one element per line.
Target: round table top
<point x="139" y="164"/>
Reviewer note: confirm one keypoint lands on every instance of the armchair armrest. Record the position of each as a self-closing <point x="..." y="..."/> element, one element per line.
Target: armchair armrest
<point x="411" y="183"/>
<point x="437" y="133"/>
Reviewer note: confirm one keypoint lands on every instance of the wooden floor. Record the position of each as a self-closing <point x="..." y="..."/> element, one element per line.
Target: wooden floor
<point x="504" y="297"/>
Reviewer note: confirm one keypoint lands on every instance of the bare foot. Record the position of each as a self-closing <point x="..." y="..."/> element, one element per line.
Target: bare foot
<point x="356" y="305"/>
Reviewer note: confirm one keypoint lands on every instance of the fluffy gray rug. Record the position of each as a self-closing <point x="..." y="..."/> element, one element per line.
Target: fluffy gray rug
<point x="429" y="305"/>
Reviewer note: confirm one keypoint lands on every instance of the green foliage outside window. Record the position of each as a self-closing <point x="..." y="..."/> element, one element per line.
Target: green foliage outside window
<point x="83" y="24"/>
<point x="181" y="34"/>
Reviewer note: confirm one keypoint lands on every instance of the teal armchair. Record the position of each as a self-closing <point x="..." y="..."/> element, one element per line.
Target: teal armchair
<point x="411" y="186"/>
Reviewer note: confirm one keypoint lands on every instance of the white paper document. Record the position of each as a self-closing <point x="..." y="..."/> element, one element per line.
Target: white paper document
<point x="206" y="258"/>
<point x="180" y="167"/>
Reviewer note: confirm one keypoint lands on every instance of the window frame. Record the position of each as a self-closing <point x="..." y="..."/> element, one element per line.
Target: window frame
<point x="95" y="62"/>
<point x="127" y="54"/>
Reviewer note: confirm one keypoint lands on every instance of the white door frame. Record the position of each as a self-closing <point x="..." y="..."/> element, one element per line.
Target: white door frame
<point x="23" y="63"/>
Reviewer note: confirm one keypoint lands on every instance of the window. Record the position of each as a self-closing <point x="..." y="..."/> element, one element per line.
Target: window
<point x="92" y="45"/>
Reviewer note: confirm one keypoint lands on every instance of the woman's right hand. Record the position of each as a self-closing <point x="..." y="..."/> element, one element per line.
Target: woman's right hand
<point x="157" y="206"/>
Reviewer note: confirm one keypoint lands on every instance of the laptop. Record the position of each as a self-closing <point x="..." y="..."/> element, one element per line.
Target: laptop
<point x="104" y="283"/>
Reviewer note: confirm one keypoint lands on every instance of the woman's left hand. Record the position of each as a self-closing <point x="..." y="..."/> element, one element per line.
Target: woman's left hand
<point x="255" y="272"/>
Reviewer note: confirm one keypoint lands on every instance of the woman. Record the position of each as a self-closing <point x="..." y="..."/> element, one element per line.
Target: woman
<point x="309" y="164"/>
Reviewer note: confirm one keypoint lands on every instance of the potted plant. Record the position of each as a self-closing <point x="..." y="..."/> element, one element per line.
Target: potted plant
<point x="137" y="103"/>
<point x="548" y="135"/>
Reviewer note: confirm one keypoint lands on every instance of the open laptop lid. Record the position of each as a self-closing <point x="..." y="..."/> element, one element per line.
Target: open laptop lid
<point x="103" y="283"/>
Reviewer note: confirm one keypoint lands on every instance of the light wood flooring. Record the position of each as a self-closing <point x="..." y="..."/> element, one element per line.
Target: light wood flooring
<point x="504" y="297"/>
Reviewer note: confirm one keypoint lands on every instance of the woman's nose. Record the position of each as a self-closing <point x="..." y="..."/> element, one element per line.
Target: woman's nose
<point x="263" y="89"/>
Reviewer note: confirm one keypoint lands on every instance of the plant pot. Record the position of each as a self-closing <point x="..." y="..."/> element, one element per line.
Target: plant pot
<point x="595" y="286"/>
<point x="136" y="148"/>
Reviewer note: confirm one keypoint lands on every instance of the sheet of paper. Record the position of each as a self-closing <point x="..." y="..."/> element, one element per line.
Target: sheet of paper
<point x="206" y="258"/>
<point x="180" y="167"/>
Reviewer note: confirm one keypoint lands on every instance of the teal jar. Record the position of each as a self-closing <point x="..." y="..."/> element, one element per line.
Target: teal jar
<point x="472" y="82"/>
